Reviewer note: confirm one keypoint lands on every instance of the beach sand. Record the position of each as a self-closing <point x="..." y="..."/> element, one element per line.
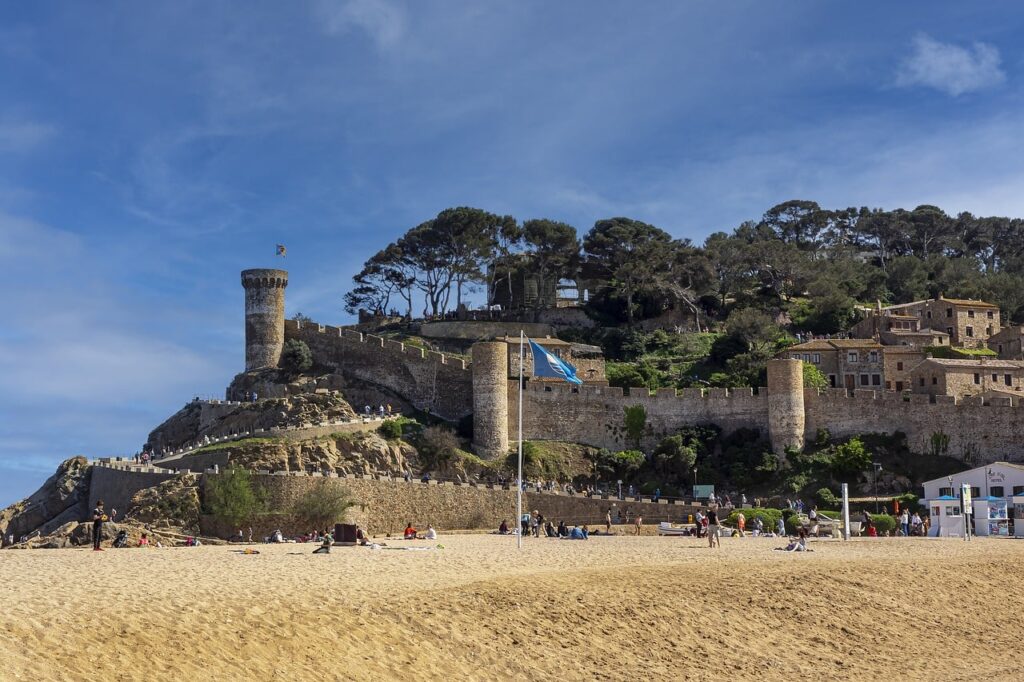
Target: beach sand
<point x="612" y="608"/>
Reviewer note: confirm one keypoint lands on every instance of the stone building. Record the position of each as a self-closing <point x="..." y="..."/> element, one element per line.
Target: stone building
<point x="899" y="363"/>
<point x="588" y="360"/>
<point x="892" y="328"/>
<point x="1008" y="343"/>
<point x="960" y="378"/>
<point x="847" y="363"/>
<point x="968" y="323"/>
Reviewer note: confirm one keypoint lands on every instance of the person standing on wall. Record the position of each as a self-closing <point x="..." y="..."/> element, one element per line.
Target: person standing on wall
<point x="98" y="517"/>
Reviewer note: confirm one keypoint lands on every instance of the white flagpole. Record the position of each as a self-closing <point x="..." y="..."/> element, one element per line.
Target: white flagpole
<point x="519" y="479"/>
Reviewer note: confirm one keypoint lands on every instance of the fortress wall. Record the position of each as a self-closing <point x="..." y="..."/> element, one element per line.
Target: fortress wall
<point x="595" y="415"/>
<point x="116" y="487"/>
<point x="977" y="432"/>
<point x="385" y="505"/>
<point x="430" y="381"/>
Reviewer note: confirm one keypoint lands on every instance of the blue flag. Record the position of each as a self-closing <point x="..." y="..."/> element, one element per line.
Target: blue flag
<point x="547" y="364"/>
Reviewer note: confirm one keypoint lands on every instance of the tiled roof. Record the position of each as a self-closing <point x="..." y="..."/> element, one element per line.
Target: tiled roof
<point x="969" y="302"/>
<point x="982" y="363"/>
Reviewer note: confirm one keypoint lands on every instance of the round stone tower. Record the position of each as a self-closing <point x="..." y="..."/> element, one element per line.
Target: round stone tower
<point x="490" y="399"/>
<point x="786" y="404"/>
<point x="264" y="317"/>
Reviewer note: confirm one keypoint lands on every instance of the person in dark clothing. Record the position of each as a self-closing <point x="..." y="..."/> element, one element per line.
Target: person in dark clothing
<point x="98" y="517"/>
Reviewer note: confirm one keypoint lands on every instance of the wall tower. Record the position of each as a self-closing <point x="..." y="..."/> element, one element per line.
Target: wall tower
<point x="264" y="317"/>
<point x="786" y="420"/>
<point x="490" y="399"/>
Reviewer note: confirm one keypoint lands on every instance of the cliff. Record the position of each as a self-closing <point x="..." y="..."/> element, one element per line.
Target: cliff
<point x="63" y="498"/>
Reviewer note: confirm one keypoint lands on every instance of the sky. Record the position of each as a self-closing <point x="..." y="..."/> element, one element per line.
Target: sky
<point x="151" y="151"/>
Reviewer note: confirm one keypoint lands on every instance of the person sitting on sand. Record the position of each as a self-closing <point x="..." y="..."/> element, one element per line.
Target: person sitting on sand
<point x="325" y="546"/>
<point x="576" y="534"/>
<point x="278" y="536"/>
<point x="549" y="530"/>
<point x="586" y="533"/>
<point x="563" y="530"/>
<point x="410" y="531"/>
<point x="798" y="545"/>
<point x="431" y="533"/>
<point x="503" y="528"/>
<point x="144" y="540"/>
<point x="361" y="538"/>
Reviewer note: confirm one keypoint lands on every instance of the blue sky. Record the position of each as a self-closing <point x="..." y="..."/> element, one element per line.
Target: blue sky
<point x="148" y="152"/>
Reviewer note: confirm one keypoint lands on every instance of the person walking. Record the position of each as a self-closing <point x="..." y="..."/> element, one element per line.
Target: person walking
<point x="639" y="523"/>
<point x="98" y="518"/>
<point x="713" y="539"/>
<point x="905" y="522"/>
<point x="741" y="523"/>
<point x="608" y="521"/>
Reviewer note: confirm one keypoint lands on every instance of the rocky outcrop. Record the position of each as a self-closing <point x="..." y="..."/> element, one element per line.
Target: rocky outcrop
<point x="173" y="503"/>
<point x="62" y="499"/>
<point x="199" y="418"/>
<point x="343" y="453"/>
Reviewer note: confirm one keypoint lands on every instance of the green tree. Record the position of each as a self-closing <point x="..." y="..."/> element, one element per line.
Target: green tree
<point x="233" y="496"/>
<point x="814" y="378"/>
<point x="674" y="457"/>
<point x="553" y="249"/>
<point x="636" y="422"/>
<point x="322" y="505"/>
<point x="851" y="458"/>
<point x="296" y="357"/>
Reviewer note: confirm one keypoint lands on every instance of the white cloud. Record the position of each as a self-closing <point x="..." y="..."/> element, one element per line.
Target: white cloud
<point x="950" y="68"/>
<point x="20" y="136"/>
<point x="383" y="21"/>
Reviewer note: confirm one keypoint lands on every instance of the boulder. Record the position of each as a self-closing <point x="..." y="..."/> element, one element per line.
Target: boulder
<point x="64" y="497"/>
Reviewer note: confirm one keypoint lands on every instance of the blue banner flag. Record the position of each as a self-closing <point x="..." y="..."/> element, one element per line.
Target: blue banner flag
<point x="547" y="364"/>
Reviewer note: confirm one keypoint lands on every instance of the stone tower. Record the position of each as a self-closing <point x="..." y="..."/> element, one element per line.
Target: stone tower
<point x="490" y="399"/>
<point x="264" y="317"/>
<point x="786" y="404"/>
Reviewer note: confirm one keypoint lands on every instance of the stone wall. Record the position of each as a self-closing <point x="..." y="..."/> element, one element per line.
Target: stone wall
<point x="117" y="486"/>
<point x="482" y="330"/>
<point x="978" y="433"/>
<point x="595" y="415"/>
<point x="386" y="505"/>
<point x="431" y="381"/>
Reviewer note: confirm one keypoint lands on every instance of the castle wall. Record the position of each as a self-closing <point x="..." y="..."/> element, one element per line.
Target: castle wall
<point x="978" y="433"/>
<point x="435" y="382"/>
<point x="595" y="415"/>
<point x="116" y="486"/>
<point x="386" y="505"/>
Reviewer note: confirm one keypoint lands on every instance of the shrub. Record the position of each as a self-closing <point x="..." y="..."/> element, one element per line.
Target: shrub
<point x="322" y="505"/>
<point x="674" y="457"/>
<point x="851" y="458"/>
<point x="814" y="378"/>
<point x="636" y="422"/>
<point x="232" y="496"/>
<point x="770" y="517"/>
<point x="391" y="429"/>
<point x="437" y="444"/>
<point x="296" y="357"/>
<point x="884" y="523"/>
<point x="826" y="498"/>
<point x="629" y="461"/>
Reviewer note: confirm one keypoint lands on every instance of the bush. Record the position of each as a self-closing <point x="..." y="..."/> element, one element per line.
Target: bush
<point x="674" y="457"/>
<point x="391" y="429"/>
<point x="232" y="496"/>
<point x="322" y="506"/>
<point x="296" y="357"/>
<point x="636" y="422"/>
<point x="629" y="461"/>
<point x="437" y="444"/>
<point x="826" y="498"/>
<point x="851" y="458"/>
<point x="884" y="523"/>
<point x="770" y="517"/>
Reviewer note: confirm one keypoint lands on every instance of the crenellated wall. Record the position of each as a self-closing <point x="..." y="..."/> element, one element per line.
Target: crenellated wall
<point x="595" y="415"/>
<point x="438" y="383"/>
<point x="978" y="432"/>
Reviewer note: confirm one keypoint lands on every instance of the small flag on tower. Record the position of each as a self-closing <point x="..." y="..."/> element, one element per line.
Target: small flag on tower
<point x="547" y="364"/>
<point x="281" y="251"/>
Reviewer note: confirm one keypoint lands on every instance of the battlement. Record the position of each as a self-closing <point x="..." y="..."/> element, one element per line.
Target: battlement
<point x="299" y="329"/>
<point x="880" y="398"/>
<point x="641" y="393"/>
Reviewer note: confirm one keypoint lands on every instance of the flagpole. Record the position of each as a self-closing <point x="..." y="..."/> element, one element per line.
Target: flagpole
<point x="519" y="479"/>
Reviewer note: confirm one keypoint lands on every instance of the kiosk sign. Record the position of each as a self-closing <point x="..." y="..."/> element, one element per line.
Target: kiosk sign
<point x="965" y="494"/>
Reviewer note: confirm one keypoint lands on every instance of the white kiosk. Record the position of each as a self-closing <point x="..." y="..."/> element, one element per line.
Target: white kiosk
<point x="1018" y="516"/>
<point x="946" y="516"/>
<point x="991" y="517"/>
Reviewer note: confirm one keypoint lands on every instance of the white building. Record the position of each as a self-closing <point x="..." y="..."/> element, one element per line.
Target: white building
<point x="999" y="479"/>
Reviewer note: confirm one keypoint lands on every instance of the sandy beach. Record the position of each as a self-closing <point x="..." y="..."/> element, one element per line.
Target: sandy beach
<point x="612" y="608"/>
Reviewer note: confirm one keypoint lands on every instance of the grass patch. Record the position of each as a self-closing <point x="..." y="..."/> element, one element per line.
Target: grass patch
<point x="241" y="443"/>
<point x="950" y="353"/>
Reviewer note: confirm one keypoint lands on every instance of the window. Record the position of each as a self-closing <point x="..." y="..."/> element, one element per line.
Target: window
<point x="949" y="312"/>
<point x="935" y="381"/>
<point x="920" y="382"/>
<point x="970" y="313"/>
<point x="989" y="315"/>
<point x="832" y="380"/>
<point x="953" y="510"/>
<point x="1000" y="351"/>
<point x="977" y="378"/>
<point x="996" y="491"/>
<point x="876" y="379"/>
<point x="863" y="379"/>
<point x="929" y="314"/>
<point x="1018" y="490"/>
<point x="995" y="378"/>
<point x="1008" y="379"/>
<point x="873" y="356"/>
<point x="939" y="339"/>
<point x="899" y="366"/>
<point x="817" y="358"/>
<point x="795" y="356"/>
<point x="970" y="332"/>
<point x="949" y="330"/>
<point x="975" y="492"/>
<point x="945" y="492"/>
<point x="851" y="356"/>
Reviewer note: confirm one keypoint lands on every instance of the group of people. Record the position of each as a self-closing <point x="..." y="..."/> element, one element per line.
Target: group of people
<point x="382" y="410"/>
<point x="411" y="533"/>
<point x="536" y="525"/>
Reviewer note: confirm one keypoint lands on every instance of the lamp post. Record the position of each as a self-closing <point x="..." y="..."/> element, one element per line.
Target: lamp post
<point x="694" y="485"/>
<point x="875" y="468"/>
<point x="988" y="477"/>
